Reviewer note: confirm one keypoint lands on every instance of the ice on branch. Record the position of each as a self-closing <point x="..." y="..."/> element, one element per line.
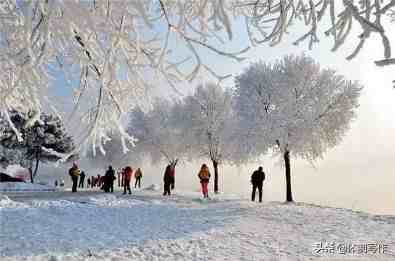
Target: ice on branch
<point x="108" y="51"/>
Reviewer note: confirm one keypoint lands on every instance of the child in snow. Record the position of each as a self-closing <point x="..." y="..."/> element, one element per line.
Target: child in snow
<point x="204" y="176"/>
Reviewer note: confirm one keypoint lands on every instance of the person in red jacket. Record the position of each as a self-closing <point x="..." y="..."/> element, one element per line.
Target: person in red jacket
<point x="127" y="178"/>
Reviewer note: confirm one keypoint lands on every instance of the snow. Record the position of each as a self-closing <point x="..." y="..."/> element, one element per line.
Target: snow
<point x="6" y="202"/>
<point x="148" y="226"/>
<point x="22" y="186"/>
<point x="153" y="187"/>
<point x="17" y="171"/>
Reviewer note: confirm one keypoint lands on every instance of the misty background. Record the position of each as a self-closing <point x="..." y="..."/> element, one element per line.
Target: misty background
<point x="357" y="174"/>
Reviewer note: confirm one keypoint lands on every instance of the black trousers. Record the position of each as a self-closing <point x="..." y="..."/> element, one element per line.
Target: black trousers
<point x="254" y="187"/>
<point x="167" y="189"/>
<point x="111" y="186"/>
<point x="138" y="181"/>
<point x="81" y="185"/>
<point x="126" y="187"/>
<point x="75" y="182"/>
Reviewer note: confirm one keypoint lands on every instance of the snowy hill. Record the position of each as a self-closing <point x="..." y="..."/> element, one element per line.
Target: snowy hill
<point x="148" y="226"/>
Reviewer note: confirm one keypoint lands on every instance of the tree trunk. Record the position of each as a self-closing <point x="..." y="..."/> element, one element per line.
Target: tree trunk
<point x="288" y="175"/>
<point x="215" y="165"/>
<point x="31" y="171"/>
<point x="36" y="168"/>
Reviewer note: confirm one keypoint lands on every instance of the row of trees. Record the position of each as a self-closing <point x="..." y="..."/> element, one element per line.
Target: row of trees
<point x="37" y="138"/>
<point x="291" y="107"/>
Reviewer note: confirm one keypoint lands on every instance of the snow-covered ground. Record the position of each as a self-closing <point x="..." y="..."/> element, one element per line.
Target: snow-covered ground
<point x="24" y="186"/>
<point x="148" y="226"/>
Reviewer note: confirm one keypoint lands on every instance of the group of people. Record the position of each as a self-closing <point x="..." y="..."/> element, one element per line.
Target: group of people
<point x="257" y="178"/>
<point x="125" y="176"/>
<point x="105" y="182"/>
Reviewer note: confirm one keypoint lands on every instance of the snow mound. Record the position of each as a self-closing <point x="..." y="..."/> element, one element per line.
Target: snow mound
<point x="17" y="171"/>
<point x="112" y="201"/>
<point x="23" y="187"/>
<point x="153" y="187"/>
<point x="6" y="202"/>
<point x="51" y="203"/>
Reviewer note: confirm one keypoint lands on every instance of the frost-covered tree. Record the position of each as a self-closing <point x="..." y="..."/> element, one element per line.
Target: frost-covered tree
<point x="294" y="106"/>
<point x="270" y="20"/>
<point x="109" y="154"/>
<point x="110" y="52"/>
<point x="43" y="140"/>
<point x="207" y="115"/>
<point x="158" y="133"/>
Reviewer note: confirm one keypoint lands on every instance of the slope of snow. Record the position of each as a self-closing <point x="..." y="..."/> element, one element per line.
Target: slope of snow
<point x="147" y="226"/>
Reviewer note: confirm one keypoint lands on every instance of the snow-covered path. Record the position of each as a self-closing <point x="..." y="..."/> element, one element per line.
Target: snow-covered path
<point x="147" y="226"/>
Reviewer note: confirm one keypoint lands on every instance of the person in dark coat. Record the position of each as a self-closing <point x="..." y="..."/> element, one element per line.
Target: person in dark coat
<point x="88" y="183"/>
<point x="257" y="179"/>
<point x="168" y="179"/>
<point x="173" y="176"/>
<point x="109" y="180"/>
<point x="93" y="181"/>
<point x="82" y="180"/>
<point x="74" y="172"/>
<point x="99" y="180"/>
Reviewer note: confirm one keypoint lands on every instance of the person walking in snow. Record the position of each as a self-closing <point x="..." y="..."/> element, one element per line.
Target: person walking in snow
<point x="167" y="181"/>
<point x="109" y="180"/>
<point x="119" y="176"/>
<point x="74" y="172"/>
<point x="138" y="175"/>
<point x="88" y="182"/>
<point x="204" y="176"/>
<point x="257" y="179"/>
<point x="82" y="180"/>
<point x="127" y="177"/>
<point x="93" y="181"/>
<point x="173" y="176"/>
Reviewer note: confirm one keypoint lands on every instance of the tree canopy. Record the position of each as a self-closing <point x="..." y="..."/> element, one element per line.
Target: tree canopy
<point x="43" y="140"/>
<point x="111" y="52"/>
<point x="295" y="106"/>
